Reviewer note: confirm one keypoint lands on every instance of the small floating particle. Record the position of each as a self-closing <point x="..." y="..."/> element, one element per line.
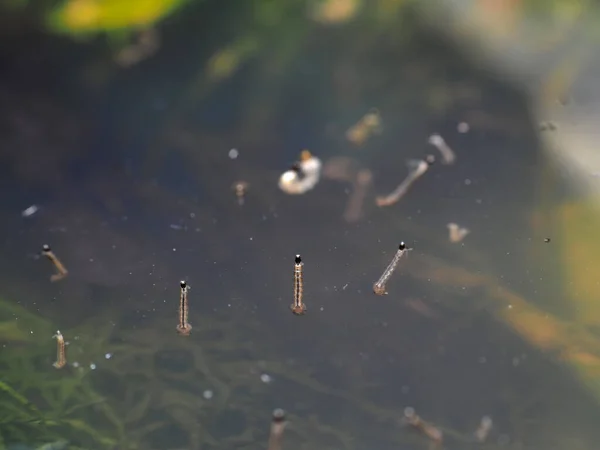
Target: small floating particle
<point x="30" y="211"/>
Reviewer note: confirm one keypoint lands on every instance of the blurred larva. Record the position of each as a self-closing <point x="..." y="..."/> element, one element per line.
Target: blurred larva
<point x="366" y="127"/>
<point x="448" y="156"/>
<point x="418" y="168"/>
<point x="60" y="268"/>
<point x="277" y="427"/>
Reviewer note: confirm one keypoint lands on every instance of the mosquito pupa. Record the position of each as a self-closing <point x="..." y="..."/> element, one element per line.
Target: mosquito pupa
<point x="411" y="418"/>
<point x="277" y="427"/>
<point x="484" y="429"/>
<point x="61" y="271"/>
<point x="448" y="155"/>
<point x="183" y="327"/>
<point x="298" y="307"/>
<point x="302" y="176"/>
<point x="456" y="233"/>
<point x="417" y="169"/>
<point x="367" y="126"/>
<point x="379" y="286"/>
<point x="61" y="359"/>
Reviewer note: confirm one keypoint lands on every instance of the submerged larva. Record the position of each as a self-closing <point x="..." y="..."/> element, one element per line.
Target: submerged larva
<point x="448" y="155"/>
<point x="411" y="418"/>
<point x="277" y="426"/>
<point x="61" y="359"/>
<point x="61" y="270"/>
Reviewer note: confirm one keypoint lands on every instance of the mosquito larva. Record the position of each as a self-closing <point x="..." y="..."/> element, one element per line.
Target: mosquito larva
<point x="484" y="429"/>
<point x="448" y="156"/>
<point x="412" y="419"/>
<point x="61" y="359"/>
<point x="277" y="427"/>
<point x="379" y="286"/>
<point x="456" y="232"/>
<point x="183" y="327"/>
<point x="298" y="307"/>
<point x="419" y="168"/>
<point x="60" y="269"/>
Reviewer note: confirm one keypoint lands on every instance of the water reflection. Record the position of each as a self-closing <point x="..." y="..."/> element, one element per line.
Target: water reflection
<point x="129" y="223"/>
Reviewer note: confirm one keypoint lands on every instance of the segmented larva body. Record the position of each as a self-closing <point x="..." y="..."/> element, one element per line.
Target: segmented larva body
<point x="379" y="285"/>
<point x="183" y="327"/>
<point x="298" y="307"/>
<point x="61" y="359"/>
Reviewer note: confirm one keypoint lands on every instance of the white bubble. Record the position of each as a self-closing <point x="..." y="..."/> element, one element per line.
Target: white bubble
<point x="208" y="394"/>
<point x="266" y="378"/>
<point x="93" y="366"/>
<point x="108" y="356"/>
<point x="233" y="153"/>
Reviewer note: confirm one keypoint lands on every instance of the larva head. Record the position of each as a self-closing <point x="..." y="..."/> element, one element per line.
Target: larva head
<point x="402" y="246"/>
<point x="183" y="284"/>
<point x="298" y="259"/>
<point x="46" y="248"/>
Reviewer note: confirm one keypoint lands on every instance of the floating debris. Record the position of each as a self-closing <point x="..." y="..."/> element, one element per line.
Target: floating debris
<point x="30" y="211"/>
<point x="302" y="176"/>
<point x="463" y="127"/>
